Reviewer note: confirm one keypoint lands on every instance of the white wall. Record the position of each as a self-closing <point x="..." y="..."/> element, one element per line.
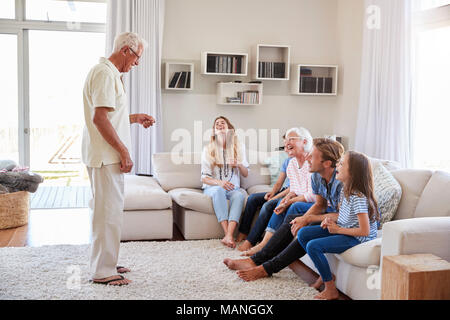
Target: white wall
<point x="313" y="28"/>
<point x="350" y="32"/>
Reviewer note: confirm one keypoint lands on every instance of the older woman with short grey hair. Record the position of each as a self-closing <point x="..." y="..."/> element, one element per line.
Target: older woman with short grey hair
<point x="299" y="143"/>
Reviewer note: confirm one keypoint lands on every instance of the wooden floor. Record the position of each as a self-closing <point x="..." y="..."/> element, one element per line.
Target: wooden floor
<point x="72" y="226"/>
<point x="59" y="197"/>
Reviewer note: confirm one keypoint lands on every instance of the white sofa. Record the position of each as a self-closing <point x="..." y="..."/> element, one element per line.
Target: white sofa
<point x="148" y="210"/>
<point x="193" y="211"/>
<point x="420" y="225"/>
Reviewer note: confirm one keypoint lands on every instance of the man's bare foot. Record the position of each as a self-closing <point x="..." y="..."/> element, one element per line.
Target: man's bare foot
<point x="241" y="237"/>
<point x="319" y="282"/>
<point x="239" y="264"/>
<point x="253" y="250"/>
<point x="121" y="269"/>
<point x="116" y="280"/>
<point x="252" y="274"/>
<point x="246" y="245"/>
<point x="330" y="292"/>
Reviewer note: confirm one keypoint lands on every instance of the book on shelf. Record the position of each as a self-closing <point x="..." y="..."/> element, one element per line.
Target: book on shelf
<point x="279" y="69"/>
<point x="320" y="84"/>
<point x="305" y="71"/>
<point x="188" y="80"/>
<point x="210" y="64"/>
<point x="328" y="86"/>
<point x="309" y="84"/>
<point x="182" y="82"/>
<point x="271" y="70"/>
<point x="174" y="79"/>
<point x="224" y="64"/>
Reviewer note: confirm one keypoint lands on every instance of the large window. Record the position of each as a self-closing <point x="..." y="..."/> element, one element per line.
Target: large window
<point x="59" y="63"/>
<point x="432" y="94"/>
<point x="9" y="105"/>
<point x="44" y="65"/>
<point x="7" y="9"/>
<point x="57" y="10"/>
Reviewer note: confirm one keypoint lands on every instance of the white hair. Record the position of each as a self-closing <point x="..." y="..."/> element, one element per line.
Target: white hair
<point x="303" y="134"/>
<point x="130" y="39"/>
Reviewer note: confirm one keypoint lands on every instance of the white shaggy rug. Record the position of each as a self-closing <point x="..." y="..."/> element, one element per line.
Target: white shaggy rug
<point x="175" y="270"/>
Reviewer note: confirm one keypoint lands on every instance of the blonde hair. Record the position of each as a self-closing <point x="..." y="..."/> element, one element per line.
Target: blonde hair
<point x="231" y="152"/>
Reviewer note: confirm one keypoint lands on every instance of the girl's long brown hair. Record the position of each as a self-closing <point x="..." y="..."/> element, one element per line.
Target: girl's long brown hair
<point x="234" y="153"/>
<point x="361" y="181"/>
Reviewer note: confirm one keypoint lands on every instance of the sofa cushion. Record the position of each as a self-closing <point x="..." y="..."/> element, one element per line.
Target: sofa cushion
<point x="194" y="199"/>
<point x="363" y="255"/>
<point x="176" y="171"/>
<point x="259" y="188"/>
<point x="274" y="164"/>
<point x="413" y="182"/>
<point x="257" y="174"/>
<point x="144" y="193"/>
<point x="387" y="192"/>
<point x="388" y="164"/>
<point x="433" y="202"/>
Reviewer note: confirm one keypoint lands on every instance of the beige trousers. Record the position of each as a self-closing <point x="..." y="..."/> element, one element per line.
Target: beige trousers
<point x="107" y="185"/>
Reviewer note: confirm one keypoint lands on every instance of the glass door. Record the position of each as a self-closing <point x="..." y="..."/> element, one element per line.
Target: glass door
<point x="59" y="64"/>
<point x="9" y="116"/>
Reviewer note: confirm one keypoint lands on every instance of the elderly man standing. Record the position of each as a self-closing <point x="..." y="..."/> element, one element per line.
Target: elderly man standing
<point x="105" y="152"/>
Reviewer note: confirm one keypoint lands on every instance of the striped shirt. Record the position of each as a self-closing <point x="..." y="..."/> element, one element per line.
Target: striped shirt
<point x="300" y="179"/>
<point x="348" y="215"/>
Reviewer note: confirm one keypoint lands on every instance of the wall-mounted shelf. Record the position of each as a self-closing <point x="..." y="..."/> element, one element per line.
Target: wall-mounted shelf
<point x="315" y="80"/>
<point x="224" y="63"/>
<point x="243" y="93"/>
<point x="179" y="76"/>
<point x="271" y="62"/>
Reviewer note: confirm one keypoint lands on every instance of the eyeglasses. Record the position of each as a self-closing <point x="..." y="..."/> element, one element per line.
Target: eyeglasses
<point x="137" y="56"/>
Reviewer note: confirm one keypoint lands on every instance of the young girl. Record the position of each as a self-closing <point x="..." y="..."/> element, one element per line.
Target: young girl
<point x="355" y="223"/>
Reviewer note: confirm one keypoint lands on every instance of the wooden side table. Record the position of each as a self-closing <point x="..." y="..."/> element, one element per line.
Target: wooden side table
<point x="415" y="277"/>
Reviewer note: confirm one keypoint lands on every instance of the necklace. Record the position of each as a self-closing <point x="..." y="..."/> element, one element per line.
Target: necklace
<point x="226" y="169"/>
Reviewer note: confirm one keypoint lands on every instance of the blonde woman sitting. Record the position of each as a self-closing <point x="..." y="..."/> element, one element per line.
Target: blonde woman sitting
<point x="223" y="163"/>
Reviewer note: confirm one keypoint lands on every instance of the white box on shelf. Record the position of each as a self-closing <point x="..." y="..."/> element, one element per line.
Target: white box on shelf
<point x="173" y="76"/>
<point x="225" y="63"/>
<point x="253" y="93"/>
<point x="268" y="59"/>
<point x="321" y="81"/>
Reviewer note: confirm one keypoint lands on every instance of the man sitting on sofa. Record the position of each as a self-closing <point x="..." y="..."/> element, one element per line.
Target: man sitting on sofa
<point x="274" y="256"/>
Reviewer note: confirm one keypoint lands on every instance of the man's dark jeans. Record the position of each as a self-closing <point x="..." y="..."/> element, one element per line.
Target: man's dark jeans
<point x="255" y="201"/>
<point x="281" y="250"/>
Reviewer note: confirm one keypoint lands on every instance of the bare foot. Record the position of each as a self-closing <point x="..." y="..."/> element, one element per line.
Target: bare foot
<point x="239" y="264"/>
<point x="330" y="292"/>
<point x="230" y="241"/>
<point x="246" y="245"/>
<point x="241" y="237"/>
<point x="116" y="280"/>
<point x="253" y="250"/>
<point x="252" y="274"/>
<point x="121" y="269"/>
<point x="328" y="295"/>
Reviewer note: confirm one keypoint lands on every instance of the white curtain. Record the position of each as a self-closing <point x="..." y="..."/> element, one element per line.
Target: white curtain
<point x="143" y="83"/>
<point x="384" y="128"/>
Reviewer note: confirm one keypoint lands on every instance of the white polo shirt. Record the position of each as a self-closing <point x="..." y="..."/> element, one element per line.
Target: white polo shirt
<point x="104" y="88"/>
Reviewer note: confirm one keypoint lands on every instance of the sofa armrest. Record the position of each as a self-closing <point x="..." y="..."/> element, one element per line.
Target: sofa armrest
<point x="417" y="235"/>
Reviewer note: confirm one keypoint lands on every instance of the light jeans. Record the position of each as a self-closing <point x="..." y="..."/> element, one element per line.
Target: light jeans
<point x="219" y="198"/>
